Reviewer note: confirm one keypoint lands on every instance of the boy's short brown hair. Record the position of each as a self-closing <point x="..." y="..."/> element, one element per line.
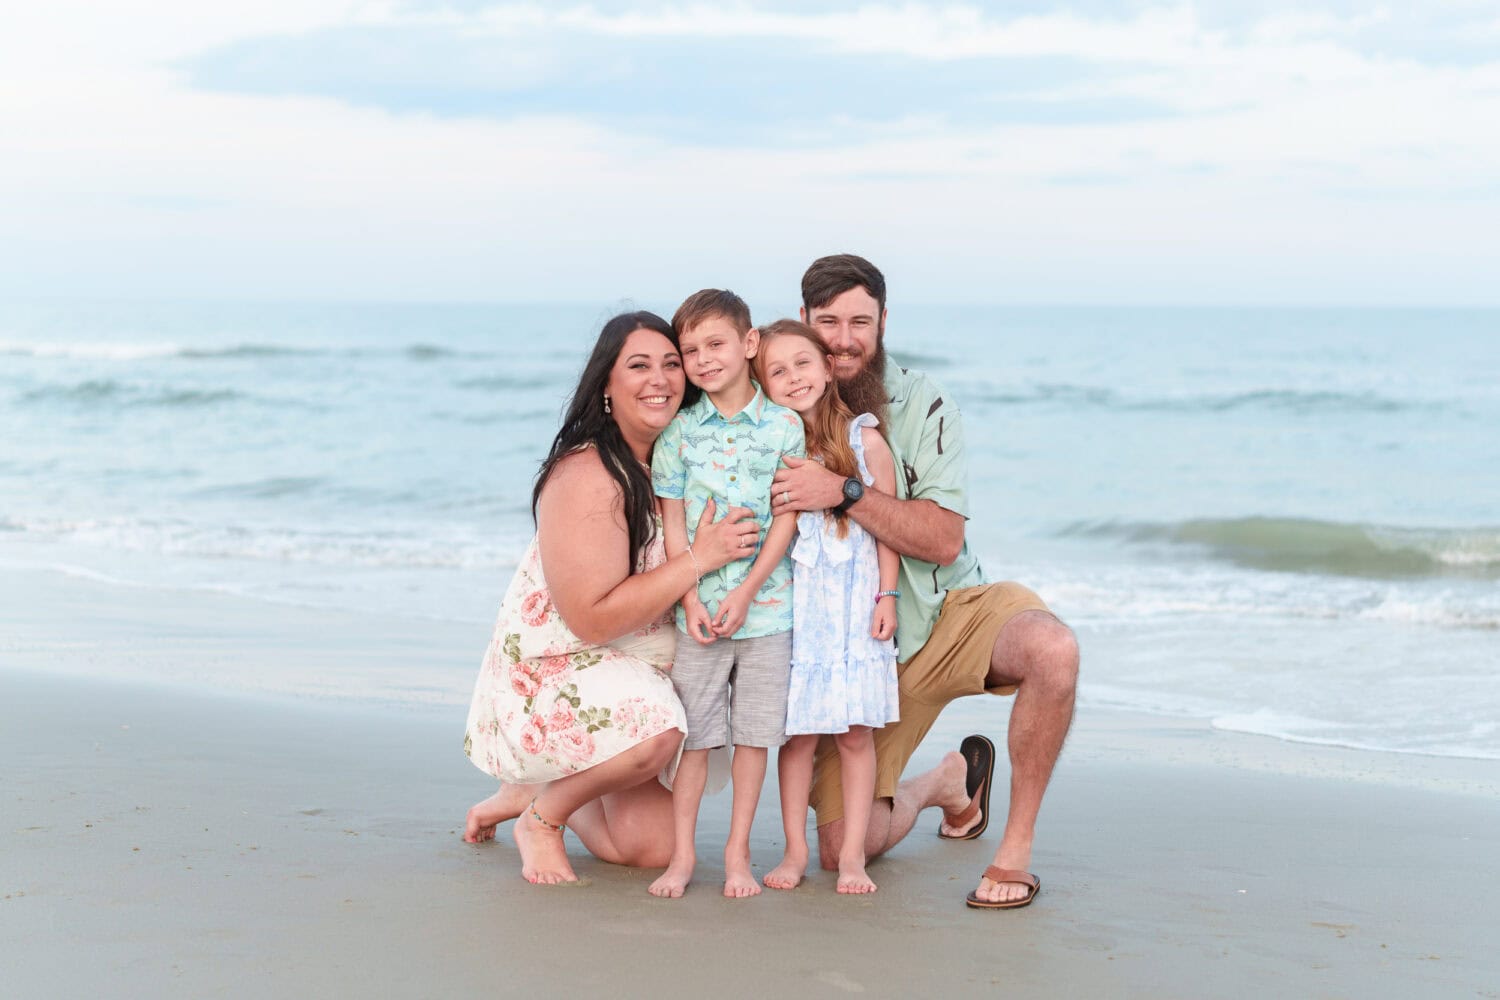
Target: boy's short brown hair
<point x="708" y="304"/>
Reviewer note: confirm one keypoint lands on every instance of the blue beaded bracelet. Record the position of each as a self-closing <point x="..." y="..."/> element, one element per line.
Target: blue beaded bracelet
<point x="887" y="593"/>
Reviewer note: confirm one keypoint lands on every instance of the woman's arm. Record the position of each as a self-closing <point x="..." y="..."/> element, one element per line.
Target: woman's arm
<point x="586" y="557"/>
<point x="882" y="465"/>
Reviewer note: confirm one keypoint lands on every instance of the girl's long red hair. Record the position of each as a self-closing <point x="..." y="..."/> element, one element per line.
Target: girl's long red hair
<point x="826" y="425"/>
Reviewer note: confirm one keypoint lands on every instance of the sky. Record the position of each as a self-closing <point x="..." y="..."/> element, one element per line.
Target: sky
<point x="1096" y="153"/>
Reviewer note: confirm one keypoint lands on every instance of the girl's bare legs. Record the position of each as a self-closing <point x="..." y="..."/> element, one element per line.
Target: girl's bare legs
<point x="543" y="857"/>
<point x="506" y="804"/>
<point x="748" y="774"/>
<point x="794" y="765"/>
<point x="687" y="795"/>
<point x="857" y="762"/>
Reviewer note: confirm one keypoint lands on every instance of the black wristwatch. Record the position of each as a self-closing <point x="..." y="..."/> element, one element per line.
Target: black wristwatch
<point x="853" y="491"/>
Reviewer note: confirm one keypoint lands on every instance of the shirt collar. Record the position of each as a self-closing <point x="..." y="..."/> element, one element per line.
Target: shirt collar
<point x="704" y="410"/>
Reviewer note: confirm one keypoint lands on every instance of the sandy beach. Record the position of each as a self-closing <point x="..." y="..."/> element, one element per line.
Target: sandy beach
<point x="162" y="838"/>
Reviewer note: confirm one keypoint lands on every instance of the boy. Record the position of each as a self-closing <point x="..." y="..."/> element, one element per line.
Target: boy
<point x="738" y="621"/>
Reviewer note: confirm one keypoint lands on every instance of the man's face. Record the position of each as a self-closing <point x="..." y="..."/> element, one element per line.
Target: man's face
<point x="851" y="327"/>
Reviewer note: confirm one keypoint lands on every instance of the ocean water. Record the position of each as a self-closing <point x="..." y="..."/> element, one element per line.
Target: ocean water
<point x="1285" y="521"/>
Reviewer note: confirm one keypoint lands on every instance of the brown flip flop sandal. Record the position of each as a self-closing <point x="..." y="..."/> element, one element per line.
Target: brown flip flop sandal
<point x="1007" y="875"/>
<point x="979" y="755"/>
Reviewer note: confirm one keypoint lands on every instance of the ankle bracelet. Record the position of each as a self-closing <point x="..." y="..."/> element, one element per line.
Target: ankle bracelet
<point x="559" y="827"/>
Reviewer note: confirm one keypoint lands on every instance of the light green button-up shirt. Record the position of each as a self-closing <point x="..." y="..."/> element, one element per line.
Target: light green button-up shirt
<point x="702" y="454"/>
<point x="925" y="432"/>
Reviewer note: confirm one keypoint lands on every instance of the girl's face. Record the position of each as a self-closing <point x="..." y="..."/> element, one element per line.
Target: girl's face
<point x="797" y="373"/>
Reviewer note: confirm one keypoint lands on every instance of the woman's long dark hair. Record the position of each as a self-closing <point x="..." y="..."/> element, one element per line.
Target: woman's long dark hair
<point x="585" y="423"/>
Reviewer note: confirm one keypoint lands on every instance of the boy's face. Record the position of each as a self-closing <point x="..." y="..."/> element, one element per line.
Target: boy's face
<point x="714" y="355"/>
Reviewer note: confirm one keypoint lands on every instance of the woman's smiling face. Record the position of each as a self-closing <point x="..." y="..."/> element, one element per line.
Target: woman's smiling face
<point x="645" y="388"/>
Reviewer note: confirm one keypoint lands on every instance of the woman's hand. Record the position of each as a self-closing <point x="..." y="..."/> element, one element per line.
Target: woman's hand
<point x="883" y="622"/>
<point x="720" y="543"/>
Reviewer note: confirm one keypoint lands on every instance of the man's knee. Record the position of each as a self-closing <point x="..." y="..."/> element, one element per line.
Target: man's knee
<point x="1036" y="648"/>
<point x="830" y="843"/>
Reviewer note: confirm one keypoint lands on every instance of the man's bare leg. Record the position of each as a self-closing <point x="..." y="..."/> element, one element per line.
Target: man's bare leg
<point x="1039" y="654"/>
<point x="892" y="819"/>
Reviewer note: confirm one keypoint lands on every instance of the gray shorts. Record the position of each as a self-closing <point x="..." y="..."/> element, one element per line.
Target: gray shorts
<point x="757" y="669"/>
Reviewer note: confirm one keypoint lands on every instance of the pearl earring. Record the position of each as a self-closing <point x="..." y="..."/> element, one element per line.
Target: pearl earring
<point x="606" y="403"/>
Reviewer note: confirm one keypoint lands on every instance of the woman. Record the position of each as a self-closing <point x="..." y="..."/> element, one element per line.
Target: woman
<point x="572" y="710"/>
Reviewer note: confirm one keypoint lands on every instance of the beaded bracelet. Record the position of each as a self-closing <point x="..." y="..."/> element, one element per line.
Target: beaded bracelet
<point x="887" y="593"/>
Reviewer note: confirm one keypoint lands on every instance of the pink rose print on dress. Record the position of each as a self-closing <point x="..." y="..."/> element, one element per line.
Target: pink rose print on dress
<point x="523" y="682"/>
<point x="533" y="739"/>
<point x="536" y="607"/>
<point x="577" y="743"/>
<point x="562" y="716"/>
<point x="550" y="666"/>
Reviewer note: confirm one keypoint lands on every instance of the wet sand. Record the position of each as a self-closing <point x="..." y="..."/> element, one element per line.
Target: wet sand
<point x="160" y="839"/>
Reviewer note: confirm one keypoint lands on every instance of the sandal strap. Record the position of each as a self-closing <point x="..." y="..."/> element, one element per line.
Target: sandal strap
<point x="998" y="875"/>
<point x="960" y="818"/>
<point x="559" y="827"/>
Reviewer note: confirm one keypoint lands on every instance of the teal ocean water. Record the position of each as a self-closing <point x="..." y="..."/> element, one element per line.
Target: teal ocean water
<point x="1286" y="521"/>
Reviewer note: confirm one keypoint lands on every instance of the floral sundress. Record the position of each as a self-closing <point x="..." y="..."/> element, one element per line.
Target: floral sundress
<point x="548" y="704"/>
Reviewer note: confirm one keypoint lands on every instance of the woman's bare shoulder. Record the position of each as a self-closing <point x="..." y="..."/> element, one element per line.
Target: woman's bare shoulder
<point x="579" y="482"/>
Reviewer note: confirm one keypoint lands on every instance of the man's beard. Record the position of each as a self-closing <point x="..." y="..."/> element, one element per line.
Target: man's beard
<point x="866" y="392"/>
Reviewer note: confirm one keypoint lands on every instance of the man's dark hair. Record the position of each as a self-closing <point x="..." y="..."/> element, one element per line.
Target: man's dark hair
<point x="709" y="304"/>
<point x="829" y="277"/>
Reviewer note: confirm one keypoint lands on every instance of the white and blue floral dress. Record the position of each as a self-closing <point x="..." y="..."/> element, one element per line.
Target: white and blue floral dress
<point x="841" y="675"/>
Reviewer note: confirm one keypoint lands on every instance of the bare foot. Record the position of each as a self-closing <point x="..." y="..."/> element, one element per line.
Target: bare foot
<point x="544" y="860"/>
<point x="738" y="882"/>
<point x="788" y="874"/>
<point x="673" y="882"/>
<point x="504" y="805"/>
<point x="853" y="880"/>
<point x="955" y="796"/>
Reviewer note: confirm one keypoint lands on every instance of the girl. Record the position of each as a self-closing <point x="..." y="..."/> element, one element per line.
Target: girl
<point x="844" y="608"/>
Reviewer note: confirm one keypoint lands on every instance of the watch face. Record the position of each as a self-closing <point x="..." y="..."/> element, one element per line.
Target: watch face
<point x="853" y="489"/>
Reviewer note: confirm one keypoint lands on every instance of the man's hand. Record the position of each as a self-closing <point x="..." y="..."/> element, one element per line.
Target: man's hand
<point x="804" y="485"/>
<point x="731" y="612"/>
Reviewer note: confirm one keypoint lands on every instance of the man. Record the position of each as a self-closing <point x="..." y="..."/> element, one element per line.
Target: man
<point x="956" y="635"/>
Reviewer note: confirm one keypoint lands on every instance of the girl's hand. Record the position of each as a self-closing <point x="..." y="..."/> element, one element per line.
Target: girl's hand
<point x="731" y="612"/>
<point x="883" y="622"/>
<point x="717" y="544"/>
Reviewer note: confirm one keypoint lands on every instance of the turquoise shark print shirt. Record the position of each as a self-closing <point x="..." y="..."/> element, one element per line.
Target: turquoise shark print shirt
<point x="702" y="455"/>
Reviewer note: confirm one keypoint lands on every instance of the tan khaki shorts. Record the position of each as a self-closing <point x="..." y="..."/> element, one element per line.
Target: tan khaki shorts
<point x="953" y="663"/>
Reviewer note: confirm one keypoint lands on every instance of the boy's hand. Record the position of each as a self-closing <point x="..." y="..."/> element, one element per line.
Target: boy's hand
<point x="699" y="624"/>
<point x="731" y="612"/>
<point x="883" y="622"/>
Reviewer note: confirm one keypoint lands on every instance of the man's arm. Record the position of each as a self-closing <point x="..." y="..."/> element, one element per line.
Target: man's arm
<point x="917" y="528"/>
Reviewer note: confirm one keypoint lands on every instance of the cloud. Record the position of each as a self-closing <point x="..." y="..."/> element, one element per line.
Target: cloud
<point x="1113" y="152"/>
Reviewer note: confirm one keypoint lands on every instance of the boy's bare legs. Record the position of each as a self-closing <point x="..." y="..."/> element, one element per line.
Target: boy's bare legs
<point x="687" y="795"/>
<point x="748" y="772"/>
<point x="794" y="764"/>
<point x="857" y="762"/>
<point x="543" y="857"/>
